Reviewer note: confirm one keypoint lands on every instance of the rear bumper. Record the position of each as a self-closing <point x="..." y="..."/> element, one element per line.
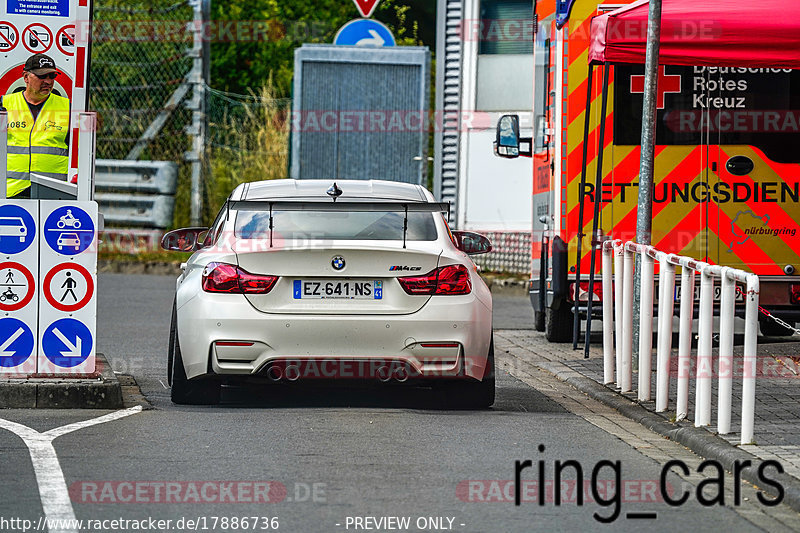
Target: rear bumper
<point x="324" y="343"/>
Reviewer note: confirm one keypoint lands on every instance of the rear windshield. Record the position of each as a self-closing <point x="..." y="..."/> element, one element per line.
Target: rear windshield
<point x="339" y="225"/>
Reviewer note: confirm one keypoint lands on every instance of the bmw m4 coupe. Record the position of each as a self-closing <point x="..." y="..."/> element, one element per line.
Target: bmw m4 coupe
<point x="310" y="279"/>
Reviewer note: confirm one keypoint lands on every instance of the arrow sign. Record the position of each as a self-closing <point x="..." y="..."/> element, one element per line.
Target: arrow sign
<point x="4" y="352"/>
<point x="73" y="350"/>
<point x="66" y="343"/>
<point x="17" y="345"/>
<point x="364" y="32"/>
<point x="366" y="7"/>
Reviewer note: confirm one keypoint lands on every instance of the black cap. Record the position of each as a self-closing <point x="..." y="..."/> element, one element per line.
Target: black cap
<point x="40" y="64"/>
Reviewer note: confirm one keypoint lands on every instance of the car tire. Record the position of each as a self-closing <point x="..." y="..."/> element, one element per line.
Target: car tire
<point x="475" y="394"/>
<point x="184" y="391"/>
<point x="538" y="320"/>
<point x="558" y="323"/>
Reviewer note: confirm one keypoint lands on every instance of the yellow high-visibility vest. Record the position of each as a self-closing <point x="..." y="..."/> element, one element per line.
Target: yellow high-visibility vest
<point x="36" y="146"/>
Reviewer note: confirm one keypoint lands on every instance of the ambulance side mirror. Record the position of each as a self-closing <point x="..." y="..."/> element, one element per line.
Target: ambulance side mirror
<point x="507" y="137"/>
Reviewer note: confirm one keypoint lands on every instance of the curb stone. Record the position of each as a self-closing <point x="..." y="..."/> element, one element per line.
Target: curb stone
<point x="100" y="392"/>
<point x="699" y="440"/>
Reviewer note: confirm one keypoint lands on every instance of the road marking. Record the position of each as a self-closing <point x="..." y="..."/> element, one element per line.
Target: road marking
<point x="53" y="489"/>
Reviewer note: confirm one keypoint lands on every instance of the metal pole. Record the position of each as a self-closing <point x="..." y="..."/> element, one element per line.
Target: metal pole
<point x="749" y="370"/>
<point x="619" y="275"/>
<point x="726" y="313"/>
<point x="3" y="152"/>
<point x="598" y="193"/>
<point x="608" y="317"/>
<point x="644" y="214"/>
<point x="197" y="105"/>
<point x="685" y="341"/>
<point x="627" y="321"/>
<point x="702" y="400"/>
<point x="646" y="328"/>
<point x="576" y="324"/>
<point x="86" y="155"/>
<point x="664" y="348"/>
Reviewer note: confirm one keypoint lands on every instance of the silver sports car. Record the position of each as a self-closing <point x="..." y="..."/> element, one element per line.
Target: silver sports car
<point x="310" y="279"/>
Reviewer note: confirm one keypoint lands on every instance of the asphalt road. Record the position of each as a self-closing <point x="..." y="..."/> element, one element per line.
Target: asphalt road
<point x="327" y="458"/>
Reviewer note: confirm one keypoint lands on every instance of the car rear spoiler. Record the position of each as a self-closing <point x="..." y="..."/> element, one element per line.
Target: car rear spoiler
<point x="305" y="205"/>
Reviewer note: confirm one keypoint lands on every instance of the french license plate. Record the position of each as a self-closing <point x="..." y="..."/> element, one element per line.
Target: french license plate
<point x="312" y="289"/>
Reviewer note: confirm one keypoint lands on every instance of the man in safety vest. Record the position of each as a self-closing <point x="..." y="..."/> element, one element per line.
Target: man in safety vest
<point x="38" y="128"/>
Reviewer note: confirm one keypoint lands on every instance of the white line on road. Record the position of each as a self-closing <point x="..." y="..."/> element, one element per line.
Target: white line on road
<point x="53" y="489"/>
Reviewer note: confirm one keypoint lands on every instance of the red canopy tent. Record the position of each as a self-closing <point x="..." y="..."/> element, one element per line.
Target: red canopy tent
<point x="728" y="33"/>
<point x="763" y="33"/>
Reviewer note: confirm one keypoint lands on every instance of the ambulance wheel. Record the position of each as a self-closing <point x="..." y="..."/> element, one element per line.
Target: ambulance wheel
<point x="558" y="323"/>
<point x="538" y="320"/>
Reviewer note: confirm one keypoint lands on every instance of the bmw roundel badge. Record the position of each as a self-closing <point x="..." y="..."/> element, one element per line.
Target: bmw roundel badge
<point x="337" y="262"/>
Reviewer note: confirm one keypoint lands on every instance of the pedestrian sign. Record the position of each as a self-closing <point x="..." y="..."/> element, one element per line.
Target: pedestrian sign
<point x="17" y="229"/>
<point x="364" y="32"/>
<point x="69" y="230"/>
<point x="67" y="280"/>
<point x="68" y="287"/>
<point x="16" y="342"/>
<point x="67" y="343"/>
<point x="17" y="286"/>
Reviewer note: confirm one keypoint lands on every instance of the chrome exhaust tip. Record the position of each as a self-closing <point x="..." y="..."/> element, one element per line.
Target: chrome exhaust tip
<point x="275" y="373"/>
<point x="292" y="372"/>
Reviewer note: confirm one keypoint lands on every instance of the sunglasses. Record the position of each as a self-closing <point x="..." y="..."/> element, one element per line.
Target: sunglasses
<point x="50" y="76"/>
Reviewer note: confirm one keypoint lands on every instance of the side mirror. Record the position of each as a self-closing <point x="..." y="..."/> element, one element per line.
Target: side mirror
<point x="184" y="239"/>
<point x="507" y="142"/>
<point x="472" y="243"/>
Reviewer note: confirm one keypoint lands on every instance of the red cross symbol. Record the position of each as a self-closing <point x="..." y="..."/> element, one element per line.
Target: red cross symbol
<point x="666" y="84"/>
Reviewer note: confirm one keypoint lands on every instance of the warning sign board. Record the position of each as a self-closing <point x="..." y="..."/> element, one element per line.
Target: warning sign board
<point x="19" y="273"/>
<point x="65" y="40"/>
<point x="37" y="38"/>
<point x="366" y="7"/>
<point x="9" y="36"/>
<point x="67" y="281"/>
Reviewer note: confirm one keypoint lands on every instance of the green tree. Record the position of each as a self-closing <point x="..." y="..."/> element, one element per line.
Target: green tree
<point x="255" y="40"/>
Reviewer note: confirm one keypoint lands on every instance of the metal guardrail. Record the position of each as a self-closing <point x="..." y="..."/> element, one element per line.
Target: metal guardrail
<point x="622" y="332"/>
<point x="136" y="193"/>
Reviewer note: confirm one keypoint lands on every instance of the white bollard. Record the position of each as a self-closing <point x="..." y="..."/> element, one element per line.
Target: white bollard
<point x="619" y="273"/>
<point x="749" y="368"/>
<point x="646" y="327"/>
<point x="725" y="369"/>
<point x="608" y="320"/>
<point x="702" y="412"/>
<point x="627" y="326"/>
<point x="685" y="341"/>
<point x="664" y="348"/>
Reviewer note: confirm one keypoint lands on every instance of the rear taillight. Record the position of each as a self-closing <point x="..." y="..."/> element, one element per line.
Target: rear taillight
<point x="794" y="294"/>
<point x="583" y="293"/>
<point x="222" y="277"/>
<point x="448" y="280"/>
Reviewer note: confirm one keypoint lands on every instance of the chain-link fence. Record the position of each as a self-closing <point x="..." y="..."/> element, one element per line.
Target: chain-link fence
<point x="139" y="60"/>
<point x="511" y="252"/>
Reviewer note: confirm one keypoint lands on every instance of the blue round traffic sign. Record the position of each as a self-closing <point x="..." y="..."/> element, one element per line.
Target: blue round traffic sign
<point x="67" y="342"/>
<point x="17" y="229"/>
<point x="364" y="32"/>
<point x="69" y="230"/>
<point x="16" y="342"/>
